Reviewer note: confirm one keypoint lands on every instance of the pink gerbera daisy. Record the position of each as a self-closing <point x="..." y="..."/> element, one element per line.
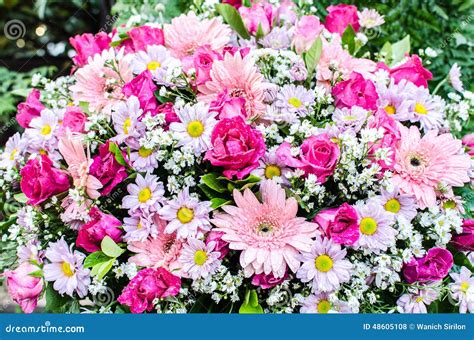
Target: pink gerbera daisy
<point x="269" y="234"/>
<point x="187" y="33"/>
<point x="422" y="163"/>
<point x="240" y="78"/>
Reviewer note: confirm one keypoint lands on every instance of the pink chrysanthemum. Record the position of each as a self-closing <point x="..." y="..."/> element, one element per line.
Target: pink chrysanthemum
<point x="268" y="232"/>
<point x="187" y="33"/>
<point x="240" y="78"/>
<point x="422" y="163"/>
<point x="101" y="85"/>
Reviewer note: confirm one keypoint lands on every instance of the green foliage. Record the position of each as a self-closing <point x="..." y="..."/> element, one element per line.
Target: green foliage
<point x="233" y="18"/>
<point x="148" y="10"/>
<point x="250" y="304"/>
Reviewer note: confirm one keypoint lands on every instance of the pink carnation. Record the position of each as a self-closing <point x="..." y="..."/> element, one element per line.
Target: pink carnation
<point x="339" y="224"/>
<point x="341" y="16"/>
<point x="149" y="284"/>
<point x="142" y="37"/>
<point x="267" y="281"/>
<point x="356" y="91"/>
<point x="468" y="142"/>
<point x="87" y="45"/>
<point x="143" y="87"/>
<point x="434" y="266"/>
<point x="74" y="119"/>
<point x="412" y="70"/>
<point x="29" y="109"/>
<point x="23" y="288"/>
<point x="228" y="107"/>
<point x="260" y="14"/>
<point x="465" y="240"/>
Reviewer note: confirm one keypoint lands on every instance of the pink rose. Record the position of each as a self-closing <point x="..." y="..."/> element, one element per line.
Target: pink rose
<point x="307" y="30"/>
<point x="412" y="71"/>
<point x="237" y="147"/>
<point x="40" y="181"/>
<point x="468" y="142"/>
<point x="267" y="281"/>
<point x="149" y="284"/>
<point x="389" y="140"/>
<point x="143" y="87"/>
<point x="23" y="288"/>
<point x="107" y="170"/>
<point x="220" y="245"/>
<point x="260" y="14"/>
<point x="228" y="107"/>
<point x="91" y="234"/>
<point x="465" y="240"/>
<point x="29" y="109"/>
<point x="340" y="16"/>
<point x="74" y="119"/>
<point x="434" y="266"/>
<point x="235" y="3"/>
<point x="203" y="59"/>
<point x="318" y="156"/>
<point x="339" y="224"/>
<point x="141" y="37"/>
<point x="286" y="12"/>
<point x="356" y="91"/>
<point x="87" y="45"/>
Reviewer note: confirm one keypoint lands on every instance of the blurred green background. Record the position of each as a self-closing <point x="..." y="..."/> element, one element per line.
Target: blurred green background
<point x="35" y="35"/>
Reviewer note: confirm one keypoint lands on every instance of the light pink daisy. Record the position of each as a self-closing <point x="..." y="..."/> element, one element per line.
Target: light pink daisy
<point x="125" y="118"/>
<point x="427" y="109"/>
<point x="462" y="290"/>
<point x="268" y="232"/>
<point x="240" y="78"/>
<point x="422" y="163"/>
<point x="14" y="150"/>
<point x="99" y="84"/>
<point x="141" y="225"/>
<point x="187" y="33"/>
<point x="321" y="304"/>
<point x="454" y="78"/>
<point x="146" y="194"/>
<point x="199" y="260"/>
<point x="395" y="99"/>
<point x="417" y="300"/>
<point x="271" y="166"/>
<point x="399" y="204"/>
<point x="370" y="18"/>
<point x="325" y="266"/>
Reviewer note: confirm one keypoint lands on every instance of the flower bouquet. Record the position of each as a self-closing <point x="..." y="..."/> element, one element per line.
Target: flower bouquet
<point x="245" y="157"/>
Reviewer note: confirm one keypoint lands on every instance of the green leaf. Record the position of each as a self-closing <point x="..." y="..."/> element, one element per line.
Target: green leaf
<point x="55" y="303"/>
<point x="208" y="191"/>
<point x="110" y="248"/>
<point x="95" y="258"/>
<point x="251" y="305"/>
<point x="213" y="181"/>
<point x="348" y="39"/>
<point x="386" y="53"/>
<point x="460" y="259"/>
<point x="21" y="198"/>
<point x="218" y="202"/>
<point x="259" y="34"/>
<point x="102" y="268"/>
<point x="232" y="17"/>
<point x="113" y="148"/>
<point x="399" y="49"/>
<point x="311" y="58"/>
<point x="36" y="273"/>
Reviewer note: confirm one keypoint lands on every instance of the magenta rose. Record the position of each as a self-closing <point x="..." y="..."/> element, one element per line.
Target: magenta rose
<point x="228" y="107"/>
<point x="220" y="245"/>
<point x="143" y="87"/>
<point x="87" y="45"/>
<point x="468" y="142"/>
<point x="40" y="181"/>
<point x="340" y="16"/>
<point x="356" y="91"/>
<point x="141" y="37"/>
<point x="107" y="170"/>
<point x="29" y="109"/>
<point x="318" y="155"/>
<point x="340" y="224"/>
<point x="267" y="281"/>
<point x="307" y="30"/>
<point x="434" y="266"/>
<point x="149" y="284"/>
<point x="260" y="14"/>
<point x="74" y="119"/>
<point x="412" y="70"/>
<point x="203" y="59"/>
<point x="92" y="233"/>
<point x="235" y="3"/>
<point x="23" y="288"/>
<point x="237" y="147"/>
<point x="465" y="240"/>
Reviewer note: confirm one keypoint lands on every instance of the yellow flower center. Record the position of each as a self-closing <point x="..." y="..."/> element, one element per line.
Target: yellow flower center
<point x="195" y="128"/>
<point x="449" y="204"/>
<point x="126" y="125"/>
<point x="420" y="109"/>
<point x="295" y="102"/>
<point x="324" y="306"/>
<point x="139" y="225"/>
<point x="153" y="65"/>
<point x="144" y="195"/>
<point x="464" y="287"/>
<point x="46" y="130"/>
<point x="323" y="263"/>
<point x="43" y="152"/>
<point x="392" y="206"/>
<point x="272" y="171"/>
<point x="67" y="270"/>
<point x="390" y="109"/>
<point x="419" y="299"/>
<point x="185" y="215"/>
<point x="13" y="154"/>
<point x="144" y="152"/>
<point x="200" y="257"/>
<point x="368" y="226"/>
